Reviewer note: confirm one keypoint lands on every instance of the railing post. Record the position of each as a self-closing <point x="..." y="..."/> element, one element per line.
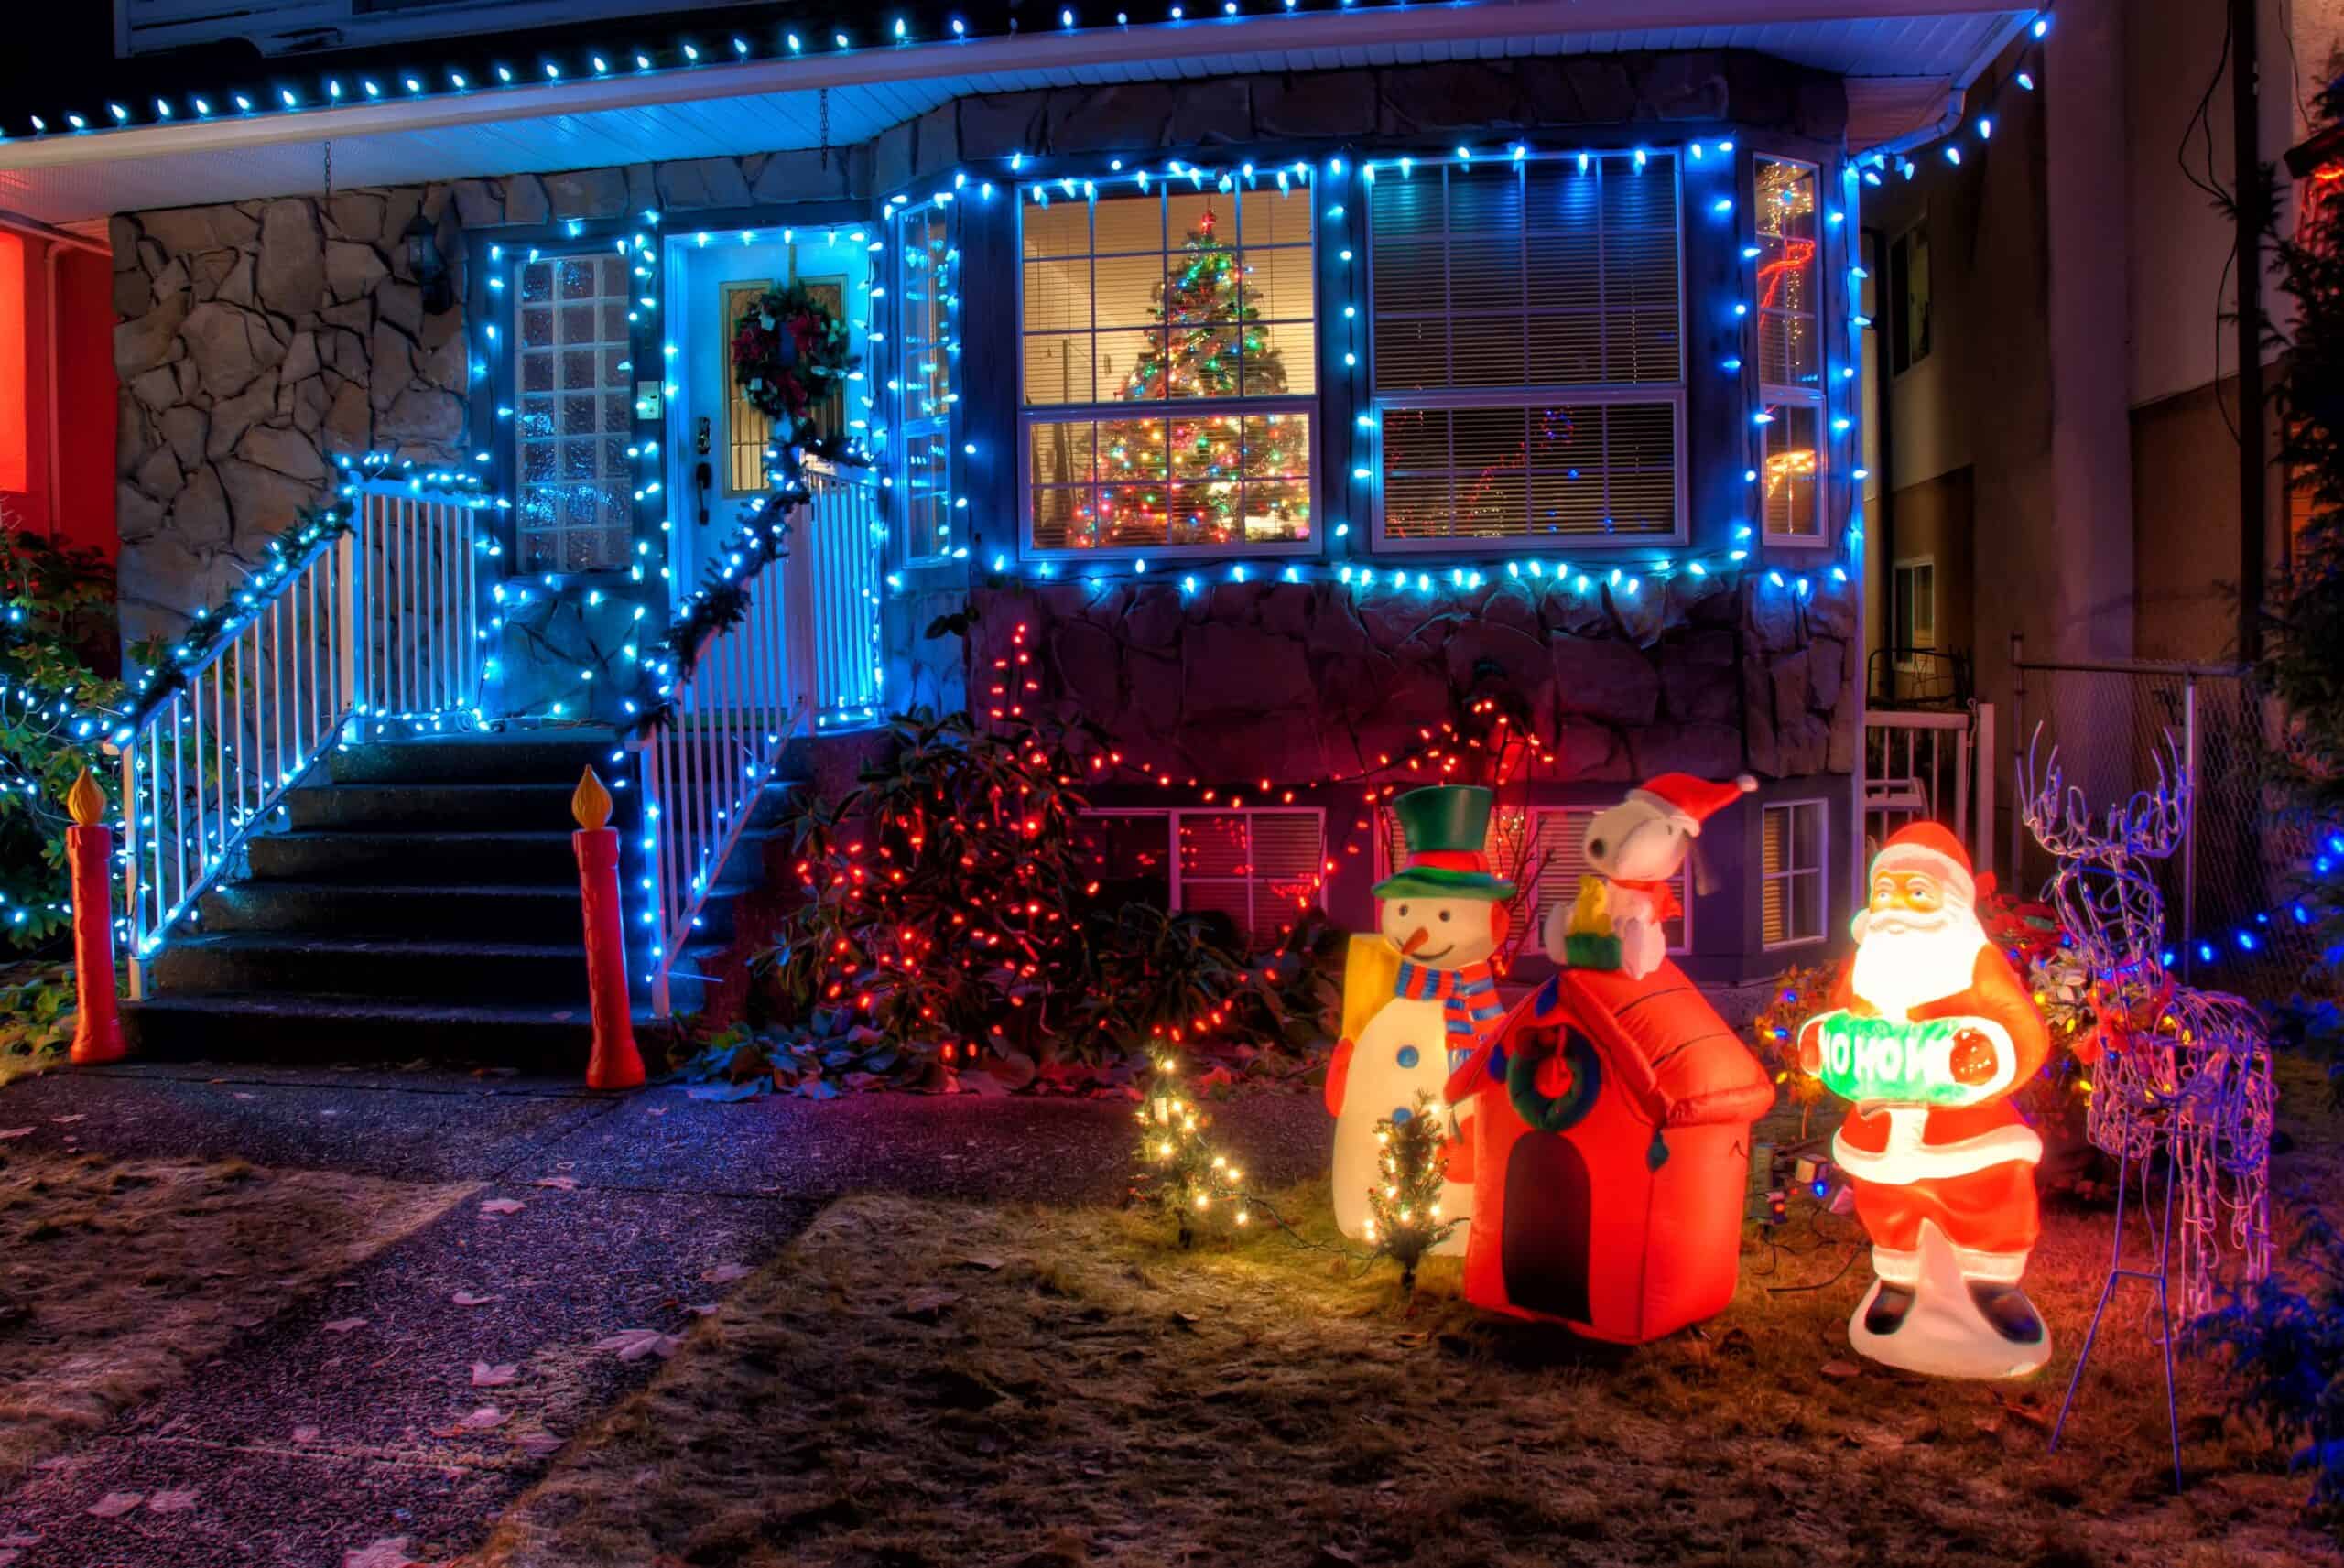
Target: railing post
<point x="1984" y="763"/>
<point x="2018" y="739"/>
<point x="2189" y="825"/>
<point x="131" y="849"/>
<point x="349" y="559"/>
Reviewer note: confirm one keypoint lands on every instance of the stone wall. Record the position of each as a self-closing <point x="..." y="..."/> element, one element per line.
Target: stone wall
<point x="260" y="340"/>
<point x="1300" y="681"/>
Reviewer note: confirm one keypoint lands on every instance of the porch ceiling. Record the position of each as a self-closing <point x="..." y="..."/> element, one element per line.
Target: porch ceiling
<point x="772" y="105"/>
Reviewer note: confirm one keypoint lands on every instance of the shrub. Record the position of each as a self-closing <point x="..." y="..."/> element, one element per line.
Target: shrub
<point x="950" y="910"/>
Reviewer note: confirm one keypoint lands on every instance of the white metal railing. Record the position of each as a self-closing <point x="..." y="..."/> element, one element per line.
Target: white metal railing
<point x="418" y="617"/>
<point x="832" y="579"/>
<point x="1936" y="765"/>
<point x="374" y="620"/>
<point x="806" y="653"/>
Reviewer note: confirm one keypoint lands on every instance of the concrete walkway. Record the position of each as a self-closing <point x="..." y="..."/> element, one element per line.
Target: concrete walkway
<point x="303" y="1443"/>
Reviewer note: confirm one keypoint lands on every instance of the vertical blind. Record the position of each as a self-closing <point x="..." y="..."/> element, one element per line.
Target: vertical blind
<point x="1527" y="347"/>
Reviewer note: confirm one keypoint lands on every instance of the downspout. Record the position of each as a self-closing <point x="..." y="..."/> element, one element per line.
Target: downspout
<point x="54" y="241"/>
<point x="2254" y="460"/>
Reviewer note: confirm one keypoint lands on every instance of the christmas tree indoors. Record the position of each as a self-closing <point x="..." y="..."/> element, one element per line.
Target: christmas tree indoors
<point x="1212" y="345"/>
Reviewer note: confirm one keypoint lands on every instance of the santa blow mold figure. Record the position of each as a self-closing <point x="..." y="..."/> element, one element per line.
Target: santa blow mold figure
<point x="1929" y="1032"/>
<point x="1419" y="997"/>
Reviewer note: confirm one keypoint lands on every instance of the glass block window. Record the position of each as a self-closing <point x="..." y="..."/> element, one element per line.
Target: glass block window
<point x="927" y="360"/>
<point x="1791" y="872"/>
<point x="1169" y="371"/>
<point x="574" y="415"/>
<point x="1527" y="349"/>
<point x="1790" y="348"/>
<point x="1537" y="848"/>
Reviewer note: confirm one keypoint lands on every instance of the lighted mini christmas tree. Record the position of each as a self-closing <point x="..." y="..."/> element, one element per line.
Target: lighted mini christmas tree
<point x="1212" y="344"/>
<point x="1178" y="1172"/>
<point x="1404" y="1221"/>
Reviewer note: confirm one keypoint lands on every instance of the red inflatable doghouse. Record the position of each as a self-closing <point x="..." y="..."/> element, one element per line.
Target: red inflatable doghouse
<point x="1612" y="1148"/>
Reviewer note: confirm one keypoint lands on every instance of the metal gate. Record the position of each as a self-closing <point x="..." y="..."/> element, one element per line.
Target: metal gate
<point x="2229" y="916"/>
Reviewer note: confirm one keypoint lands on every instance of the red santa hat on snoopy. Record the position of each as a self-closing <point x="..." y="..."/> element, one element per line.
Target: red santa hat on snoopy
<point x="1688" y="800"/>
<point x="1930" y="846"/>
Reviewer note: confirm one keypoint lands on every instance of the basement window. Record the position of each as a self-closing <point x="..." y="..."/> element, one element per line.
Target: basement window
<point x="1791" y="872"/>
<point x="1260" y="867"/>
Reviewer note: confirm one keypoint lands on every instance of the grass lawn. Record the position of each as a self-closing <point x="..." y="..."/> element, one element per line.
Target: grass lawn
<point x="118" y="1278"/>
<point x="915" y="1383"/>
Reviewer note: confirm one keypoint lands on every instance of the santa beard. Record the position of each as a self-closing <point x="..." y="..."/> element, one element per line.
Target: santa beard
<point x="1904" y="958"/>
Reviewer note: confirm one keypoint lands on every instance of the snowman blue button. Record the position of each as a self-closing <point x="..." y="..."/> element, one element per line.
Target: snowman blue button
<point x="1407" y="1056"/>
<point x="1401" y="1113"/>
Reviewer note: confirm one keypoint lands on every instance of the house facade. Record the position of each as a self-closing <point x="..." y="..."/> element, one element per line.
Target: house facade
<point x="1366" y="400"/>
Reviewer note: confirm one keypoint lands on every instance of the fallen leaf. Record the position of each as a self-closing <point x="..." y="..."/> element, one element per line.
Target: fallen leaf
<point x="725" y="1274"/>
<point x="559" y="1184"/>
<point x="344" y="1325"/>
<point x="305" y="1434"/>
<point x="1841" y="1370"/>
<point x="115" y="1504"/>
<point x="984" y="1260"/>
<point x="488" y="1418"/>
<point x="466" y="1298"/>
<point x="634" y="1343"/>
<point x="391" y="1553"/>
<point x="700" y="1310"/>
<point x="171" y="1502"/>
<point x="656" y="1110"/>
<point x="17" y="1132"/>
<point x="63" y="1121"/>
<point x="926" y="1306"/>
<point x="487" y="1377"/>
<point x="501" y="1205"/>
<point x="539" y="1444"/>
<point x="247" y="1096"/>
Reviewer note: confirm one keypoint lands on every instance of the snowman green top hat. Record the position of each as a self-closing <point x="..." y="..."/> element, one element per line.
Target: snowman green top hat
<point x="1445" y="826"/>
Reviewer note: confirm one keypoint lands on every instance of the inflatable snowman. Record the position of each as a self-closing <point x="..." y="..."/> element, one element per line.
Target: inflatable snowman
<point x="1419" y="997"/>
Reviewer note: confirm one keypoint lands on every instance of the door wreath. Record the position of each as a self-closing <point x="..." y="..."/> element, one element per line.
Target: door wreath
<point x="789" y="353"/>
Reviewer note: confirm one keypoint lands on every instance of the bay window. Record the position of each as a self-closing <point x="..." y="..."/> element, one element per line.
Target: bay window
<point x="1168" y="371"/>
<point x="1527" y="349"/>
<point x="1790" y="349"/>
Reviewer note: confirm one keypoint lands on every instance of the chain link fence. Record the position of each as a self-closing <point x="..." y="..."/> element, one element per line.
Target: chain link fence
<point x="2227" y="891"/>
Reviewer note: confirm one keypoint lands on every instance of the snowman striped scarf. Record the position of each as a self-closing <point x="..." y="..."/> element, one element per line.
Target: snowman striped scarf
<point x="1467" y="998"/>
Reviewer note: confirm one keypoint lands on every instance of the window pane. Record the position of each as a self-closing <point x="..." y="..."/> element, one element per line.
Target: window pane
<point x="1792" y="493"/>
<point x="1174" y="297"/>
<point x="1593" y="252"/>
<point x="576" y="419"/>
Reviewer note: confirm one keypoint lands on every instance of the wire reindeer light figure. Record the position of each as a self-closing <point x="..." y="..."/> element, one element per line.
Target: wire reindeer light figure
<point x="2177" y="1070"/>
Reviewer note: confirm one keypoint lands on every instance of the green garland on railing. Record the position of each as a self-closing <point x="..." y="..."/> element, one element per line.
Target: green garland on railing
<point x="315" y="530"/>
<point x="721" y="600"/>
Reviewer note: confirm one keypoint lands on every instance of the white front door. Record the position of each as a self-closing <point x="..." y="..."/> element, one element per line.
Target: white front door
<point x="716" y="437"/>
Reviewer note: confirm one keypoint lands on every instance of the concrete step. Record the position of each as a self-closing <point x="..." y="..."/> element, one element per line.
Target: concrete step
<point x="419" y="807"/>
<point x="305" y="1028"/>
<point x="535" y="756"/>
<point x="411" y="859"/>
<point x="405" y="968"/>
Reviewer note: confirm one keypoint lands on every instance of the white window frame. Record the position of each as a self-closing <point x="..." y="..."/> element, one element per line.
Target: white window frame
<point x="1773" y="395"/>
<point x="911" y="552"/>
<point x="1900" y="594"/>
<point x="1312" y="403"/>
<point x="1174" y="815"/>
<point x="1820" y="871"/>
<point x="1575" y="819"/>
<point x="1671" y="394"/>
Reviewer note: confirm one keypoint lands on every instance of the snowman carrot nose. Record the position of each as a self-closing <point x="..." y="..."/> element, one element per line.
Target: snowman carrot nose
<point x="1416" y="940"/>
